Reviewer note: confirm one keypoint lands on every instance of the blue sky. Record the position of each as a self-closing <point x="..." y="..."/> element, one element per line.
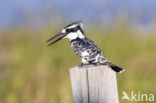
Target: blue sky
<point x="14" y="12"/>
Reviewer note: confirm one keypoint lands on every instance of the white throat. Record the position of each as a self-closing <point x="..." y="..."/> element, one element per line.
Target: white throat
<point x="75" y="35"/>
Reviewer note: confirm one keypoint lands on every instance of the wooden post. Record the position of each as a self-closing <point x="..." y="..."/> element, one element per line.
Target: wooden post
<point x="96" y="84"/>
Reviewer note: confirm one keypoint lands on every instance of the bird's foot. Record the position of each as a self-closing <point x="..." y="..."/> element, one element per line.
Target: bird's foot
<point x="86" y="65"/>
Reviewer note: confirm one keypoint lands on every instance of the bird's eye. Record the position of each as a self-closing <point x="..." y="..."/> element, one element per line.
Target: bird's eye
<point x="67" y="30"/>
<point x="71" y="30"/>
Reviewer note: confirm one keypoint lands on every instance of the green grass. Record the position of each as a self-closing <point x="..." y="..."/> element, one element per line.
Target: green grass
<point x="32" y="72"/>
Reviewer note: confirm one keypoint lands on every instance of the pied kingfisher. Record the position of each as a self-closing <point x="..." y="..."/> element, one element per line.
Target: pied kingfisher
<point x="84" y="47"/>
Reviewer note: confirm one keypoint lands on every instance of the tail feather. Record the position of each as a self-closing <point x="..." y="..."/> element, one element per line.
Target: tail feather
<point x="115" y="67"/>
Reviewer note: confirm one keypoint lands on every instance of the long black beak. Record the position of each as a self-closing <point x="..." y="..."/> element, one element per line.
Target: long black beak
<point x="60" y="34"/>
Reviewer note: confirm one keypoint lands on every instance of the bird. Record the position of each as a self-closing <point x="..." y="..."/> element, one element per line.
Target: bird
<point x="84" y="47"/>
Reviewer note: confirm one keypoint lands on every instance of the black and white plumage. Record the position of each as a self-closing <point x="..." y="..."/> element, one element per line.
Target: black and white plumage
<point x="88" y="51"/>
<point x="84" y="47"/>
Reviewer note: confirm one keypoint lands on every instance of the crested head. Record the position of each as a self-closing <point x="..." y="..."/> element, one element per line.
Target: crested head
<point x="71" y="31"/>
<point x="74" y="30"/>
<point x="74" y="24"/>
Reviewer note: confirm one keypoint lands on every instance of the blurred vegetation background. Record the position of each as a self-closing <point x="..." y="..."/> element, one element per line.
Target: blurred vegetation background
<point x="32" y="72"/>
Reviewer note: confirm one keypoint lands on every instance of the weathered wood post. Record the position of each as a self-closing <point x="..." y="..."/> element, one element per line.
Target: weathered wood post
<point x="95" y="84"/>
